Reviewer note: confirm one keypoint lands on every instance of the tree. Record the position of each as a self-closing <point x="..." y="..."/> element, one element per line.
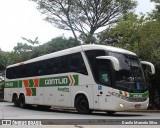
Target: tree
<point x="156" y="13"/>
<point x="126" y="33"/>
<point x="33" y="42"/>
<point x="3" y="61"/>
<point x="22" y="52"/>
<point x="56" y="44"/>
<point x="84" y="16"/>
<point x="138" y="34"/>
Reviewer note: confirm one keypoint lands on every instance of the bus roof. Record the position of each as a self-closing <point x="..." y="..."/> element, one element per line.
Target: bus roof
<point x="74" y="50"/>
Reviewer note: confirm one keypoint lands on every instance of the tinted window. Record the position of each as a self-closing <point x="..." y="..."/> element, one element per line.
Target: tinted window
<point x="63" y="64"/>
<point x="100" y="68"/>
<point x="77" y="64"/>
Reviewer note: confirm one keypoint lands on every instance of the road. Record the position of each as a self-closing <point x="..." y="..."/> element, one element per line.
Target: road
<point x="8" y="111"/>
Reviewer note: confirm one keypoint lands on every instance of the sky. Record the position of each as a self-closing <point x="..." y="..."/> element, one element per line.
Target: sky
<point x="20" y="18"/>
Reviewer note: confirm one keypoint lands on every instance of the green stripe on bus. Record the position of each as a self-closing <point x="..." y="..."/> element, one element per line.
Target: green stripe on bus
<point x="76" y="79"/>
<point x="12" y="84"/>
<point x="139" y="95"/>
<point x="20" y="83"/>
<point x="31" y="83"/>
<point x="33" y="91"/>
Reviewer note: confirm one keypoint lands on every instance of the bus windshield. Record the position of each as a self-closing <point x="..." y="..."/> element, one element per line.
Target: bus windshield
<point x="130" y="77"/>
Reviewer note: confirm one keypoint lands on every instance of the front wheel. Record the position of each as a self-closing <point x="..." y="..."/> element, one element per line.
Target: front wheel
<point x="82" y="105"/>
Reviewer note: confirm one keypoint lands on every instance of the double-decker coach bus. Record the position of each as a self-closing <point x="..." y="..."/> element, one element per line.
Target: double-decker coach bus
<point x="86" y="77"/>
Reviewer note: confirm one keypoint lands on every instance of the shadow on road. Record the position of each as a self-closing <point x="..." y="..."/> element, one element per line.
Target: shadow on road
<point x="95" y="113"/>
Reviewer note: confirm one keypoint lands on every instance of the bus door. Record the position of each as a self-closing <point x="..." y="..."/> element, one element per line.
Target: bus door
<point x="102" y="97"/>
<point x="103" y="80"/>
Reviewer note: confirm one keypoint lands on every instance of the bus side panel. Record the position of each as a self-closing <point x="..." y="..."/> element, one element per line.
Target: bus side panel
<point x="8" y="94"/>
<point x="63" y="96"/>
<point x="38" y="96"/>
<point x="49" y="96"/>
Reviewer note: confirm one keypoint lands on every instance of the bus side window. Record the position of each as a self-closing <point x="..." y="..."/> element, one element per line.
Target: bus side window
<point x="9" y="73"/>
<point x="55" y="68"/>
<point x="74" y="63"/>
<point x="77" y="64"/>
<point x="64" y="64"/>
<point x="15" y="72"/>
<point x="47" y="67"/>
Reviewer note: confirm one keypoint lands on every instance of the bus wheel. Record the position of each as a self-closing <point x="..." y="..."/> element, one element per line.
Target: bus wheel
<point x="82" y="105"/>
<point x="110" y="112"/>
<point x="15" y="100"/>
<point x="22" y="101"/>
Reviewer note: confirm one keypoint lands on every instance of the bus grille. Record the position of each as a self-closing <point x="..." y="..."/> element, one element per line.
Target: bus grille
<point x="136" y="99"/>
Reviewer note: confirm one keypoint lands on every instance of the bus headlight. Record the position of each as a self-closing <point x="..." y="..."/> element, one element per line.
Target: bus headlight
<point x="121" y="105"/>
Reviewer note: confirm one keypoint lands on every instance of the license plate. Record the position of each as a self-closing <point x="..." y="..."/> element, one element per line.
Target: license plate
<point x="137" y="105"/>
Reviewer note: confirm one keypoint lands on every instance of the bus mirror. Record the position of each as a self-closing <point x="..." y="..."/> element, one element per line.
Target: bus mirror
<point x="114" y="61"/>
<point x="150" y="64"/>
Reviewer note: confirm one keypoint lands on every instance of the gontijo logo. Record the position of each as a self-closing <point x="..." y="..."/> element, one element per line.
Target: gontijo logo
<point x="61" y="81"/>
<point x="56" y="81"/>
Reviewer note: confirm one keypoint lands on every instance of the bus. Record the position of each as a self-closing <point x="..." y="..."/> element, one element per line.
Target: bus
<point x="86" y="77"/>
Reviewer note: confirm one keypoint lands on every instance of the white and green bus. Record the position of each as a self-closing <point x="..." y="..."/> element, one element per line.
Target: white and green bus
<point x="87" y="77"/>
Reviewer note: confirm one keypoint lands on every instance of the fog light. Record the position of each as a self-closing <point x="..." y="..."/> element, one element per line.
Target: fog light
<point x="121" y="105"/>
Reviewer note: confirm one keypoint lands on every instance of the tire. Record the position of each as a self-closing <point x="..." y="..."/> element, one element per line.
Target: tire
<point x="81" y="105"/>
<point x="15" y="101"/>
<point x="22" y="103"/>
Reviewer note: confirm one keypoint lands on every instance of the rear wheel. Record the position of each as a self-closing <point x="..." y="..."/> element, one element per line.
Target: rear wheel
<point x="82" y="105"/>
<point x="22" y="103"/>
<point x="15" y="100"/>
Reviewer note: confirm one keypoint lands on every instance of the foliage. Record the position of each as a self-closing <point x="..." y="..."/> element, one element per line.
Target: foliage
<point x="138" y="34"/>
<point x="23" y="51"/>
<point x="33" y="42"/>
<point x="3" y="60"/>
<point x="84" y="16"/>
<point x="156" y="13"/>
<point x="56" y="44"/>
